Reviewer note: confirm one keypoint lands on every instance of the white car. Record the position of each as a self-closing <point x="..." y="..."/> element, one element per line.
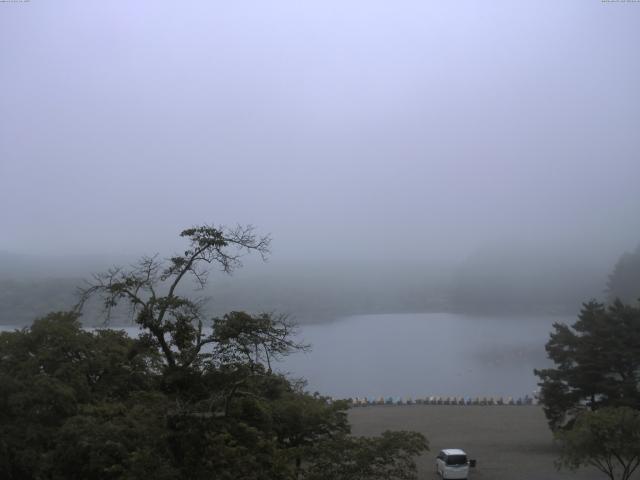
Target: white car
<point x="453" y="463"/>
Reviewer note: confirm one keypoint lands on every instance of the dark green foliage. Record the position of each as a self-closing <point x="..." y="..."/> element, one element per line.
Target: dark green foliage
<point x="608" y="439"/>
<point x="114" y="440"/>
<point x="184" y="400"/>
<point x="76" y="404"/>
<point x="58" y="381"/>
<point x="624" y="281"/>
<point x="390" y="456"/>
<point x="597" y="363"/>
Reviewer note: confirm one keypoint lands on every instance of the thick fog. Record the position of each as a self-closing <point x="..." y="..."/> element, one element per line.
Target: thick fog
<point x="424" y="131"/>
<point x="447" y="188"/>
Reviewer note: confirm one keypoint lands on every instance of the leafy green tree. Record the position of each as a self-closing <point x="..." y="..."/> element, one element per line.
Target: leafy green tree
<point x="302" y="421"/>
<point x="597" y="363"/>
<point x="114" y="440"/>
<point x="344" y="457"/>
<point x="50" y="374"/>
<point x="92" y="405"/>
<point x="608" y="439"/>
<point x="184" y="400"/>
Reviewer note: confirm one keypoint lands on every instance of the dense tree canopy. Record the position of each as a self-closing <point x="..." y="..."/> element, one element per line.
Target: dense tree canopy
<point x="597" y="363"/>
<point x="608" y="439"/>
<point x="188" y="398"/>
<point x="73" y="402"/>
<point x="390" y="456"/>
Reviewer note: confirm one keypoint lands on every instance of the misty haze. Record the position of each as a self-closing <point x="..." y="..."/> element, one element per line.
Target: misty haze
<point x="421" y="196"/>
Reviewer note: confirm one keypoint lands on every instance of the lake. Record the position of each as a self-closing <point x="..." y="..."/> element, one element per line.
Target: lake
<point x="424" y="354"/>
<point x="417" y="355"/>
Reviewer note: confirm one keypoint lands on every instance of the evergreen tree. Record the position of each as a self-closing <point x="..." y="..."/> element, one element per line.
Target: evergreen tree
<point x="597" y="363"/>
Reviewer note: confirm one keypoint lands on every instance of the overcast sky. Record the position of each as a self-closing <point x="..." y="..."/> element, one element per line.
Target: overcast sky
<point x="347" y="129"/>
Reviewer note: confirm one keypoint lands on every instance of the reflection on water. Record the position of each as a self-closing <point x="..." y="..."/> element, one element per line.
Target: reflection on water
<point x="421" y="354"/>
<point x="424" y="354"/>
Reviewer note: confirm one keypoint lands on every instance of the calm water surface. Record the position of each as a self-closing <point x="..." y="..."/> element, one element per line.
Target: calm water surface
<point x="424" y="354"/>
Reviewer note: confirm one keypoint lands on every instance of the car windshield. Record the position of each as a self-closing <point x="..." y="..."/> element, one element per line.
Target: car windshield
<point x="456" y="460"/>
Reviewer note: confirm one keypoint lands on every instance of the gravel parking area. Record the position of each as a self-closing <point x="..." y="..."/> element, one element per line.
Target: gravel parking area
<point x="508" y="442"/>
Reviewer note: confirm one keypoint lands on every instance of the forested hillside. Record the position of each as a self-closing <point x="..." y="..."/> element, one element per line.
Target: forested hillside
<point x="493" y="282"/>
<point x="624" y="281"/>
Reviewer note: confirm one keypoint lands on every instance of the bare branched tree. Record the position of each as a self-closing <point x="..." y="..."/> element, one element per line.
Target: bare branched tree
<point x="149" y="288"/>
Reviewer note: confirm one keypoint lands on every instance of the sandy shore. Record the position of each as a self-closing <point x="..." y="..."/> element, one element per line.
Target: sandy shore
<point x="509" y="442"/>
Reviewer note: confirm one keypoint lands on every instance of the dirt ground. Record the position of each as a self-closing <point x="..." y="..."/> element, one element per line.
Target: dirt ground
<point x="508" y="442"/>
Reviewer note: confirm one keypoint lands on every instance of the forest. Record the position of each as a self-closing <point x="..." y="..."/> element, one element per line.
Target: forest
<point x="191" y="397"/>
<point x="497" y="282"/>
